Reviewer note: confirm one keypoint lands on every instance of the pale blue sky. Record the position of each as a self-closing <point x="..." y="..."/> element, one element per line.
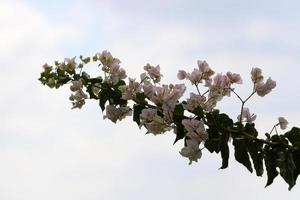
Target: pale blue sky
<point x="50" y="152"/>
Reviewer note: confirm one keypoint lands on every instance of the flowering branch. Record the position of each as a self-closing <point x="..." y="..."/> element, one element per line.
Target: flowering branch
<point x="196" y="120"/>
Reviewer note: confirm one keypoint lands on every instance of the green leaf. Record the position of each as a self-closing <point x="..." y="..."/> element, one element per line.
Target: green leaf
<point x="180" y="132"/>
<point x="271" y="158"/>
<point x="256" y="153"/>
<point x="198" y="112"/>
<point x="225" y="155"/>
<point x="137" y="110"/>
<point x="250" y="129"/>
<point x="287" y="168"/>
<point x="178" y="117"/>
<point x="212" y="144"/>
<point x="296" y="158"/>
<point x="89" y="89"/>
<point x="294" y="136"/>
<point x="241" y="153"/>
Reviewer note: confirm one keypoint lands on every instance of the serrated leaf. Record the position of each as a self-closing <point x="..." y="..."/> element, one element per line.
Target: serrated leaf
<point x="241" y="154"/>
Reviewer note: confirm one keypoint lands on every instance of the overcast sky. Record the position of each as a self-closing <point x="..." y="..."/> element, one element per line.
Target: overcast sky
<point x="50" y="152"/>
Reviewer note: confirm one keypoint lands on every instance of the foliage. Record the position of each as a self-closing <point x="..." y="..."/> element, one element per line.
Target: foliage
<point x="196" y="120"/>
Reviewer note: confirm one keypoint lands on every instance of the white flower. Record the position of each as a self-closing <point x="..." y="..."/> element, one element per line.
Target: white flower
<point x="149" y="89"/>
<point x="113" y="113"/>
<point x="247" y="116"/>
<point x="167" y="96"/>
<point x="47" y="68"/>
<point x="70" y="63"/>
<point x="264" y="89"/>
<point x="191" y="151"/>
<point x="129" y="91"/>
<point x="194" y="101"/>
<point x="181" y="74"/>
<point x="148" y="114"/>
<point x="105" y="58"/>
<point x="234" y="78"/>
<point x="256" y="75"/>
<point x="116" y="73"/>
<point x="78" y="99"/>
<point x="153" y="122"/>
<point x="195" y="77"/>
<point x="282" y="123"/>
<point x="204" y="68"/>
<point x="154" y="72"/>
<point x="195" y="129"/>
<point x="76" y="85"/>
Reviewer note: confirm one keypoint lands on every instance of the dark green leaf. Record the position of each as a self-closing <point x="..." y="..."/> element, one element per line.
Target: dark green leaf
<point x="294" y="136"/>
<point x="180" y="132"/>
<point x="137" y="110"/>
<point x="250" y="129"/>
<point x="225" y="155"/>
<point x="271" y="158"/>
<point x="287" y="168"/>
<point x="212" y="144"/>
<point x="256" y="153"/>
<point x="296" y="158"/>
<point x="198" y="112"/>
<point x="241" y="153"/>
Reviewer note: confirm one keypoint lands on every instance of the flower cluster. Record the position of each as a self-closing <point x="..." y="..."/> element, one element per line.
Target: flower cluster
<point x="153" y="122"/>
<point x="111" y="66"/>
<point x="157" y="103"/>
<point x="217" y="86"/>
<point x="114" y="113"/>
<point x="78" y="97"/>
<point x="261" y="88"/>
<point x="196" y="134"/>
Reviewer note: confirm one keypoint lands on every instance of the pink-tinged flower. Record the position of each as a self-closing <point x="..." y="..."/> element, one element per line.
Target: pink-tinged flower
<point x="195" y="129"/>
<point x="194" y="101"/>
<point x="70" y="63"/>
<point x="256" y="75"/>
<point x="167" y="96"/>
<point x="195" y="77"/>
<point x="113" y="113"/>
<point x="76" y="85"/>
<point x="116" y="73"/>
<point x="282" y="123"/>
<point x="205" y="70"/>
<point x="149" y="89"/>
<point x="246" y="116"/>
<point x="234" y="78"/>
<point x="191" y="151"/>
<point x="152" y="122"/>
<point x="154" y="72"/>
<point x="148" y="114"/>
<point x="129" y="91"/>
<point x="264" y="89"/>
<point x="105" y="58"/>
<point x="181" y="75"/>
<point x="78" y="99"/>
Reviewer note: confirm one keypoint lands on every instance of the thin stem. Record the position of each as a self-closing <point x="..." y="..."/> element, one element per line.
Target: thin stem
<point x="205" y="92"/>
<point x="198" y="89"/>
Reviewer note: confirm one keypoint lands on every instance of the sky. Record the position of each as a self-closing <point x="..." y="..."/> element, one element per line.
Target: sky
<point x="48" y="151"/>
